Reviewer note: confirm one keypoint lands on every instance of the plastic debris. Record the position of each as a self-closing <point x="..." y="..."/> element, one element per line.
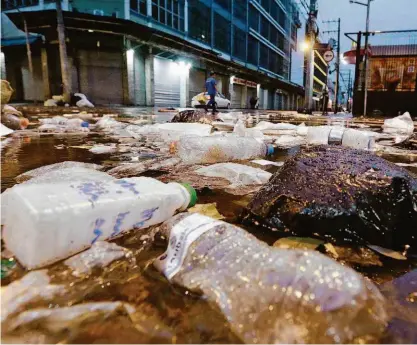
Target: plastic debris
<point x="241" y="130"/>
<point x="50" y="103"/>
<point x="270" y="295"/>
<point x="318" y="135"/>
<point x="134" y="169"/>
<point x="57" y="166"/>
<point x="237" y="174"/>
<point x="344" y="195"/>
<point x="14" y="122"/>
<point x="214" y="149"/>
<point x="4" y="131"/>
<point x="107" y="122"/>
<point x="7" y="266"/>
<point x="209" y="210"/>
<point x="402" y="124"/>
<point x="288" y="141"/>
<point x="56" y="120"/>
<point x="35" y="214"/>
<point x="32" y="287"/>
<point x="102" y="149"/>
<point x="59" y="319"/>
<point x="358" y="139"/>
<point x="8" y="109"/>
<point x="6" y="91"/>
<point x="83" y="102"/>
<point x="265" y="162"/>
<point x="101" y="254"/>
<point x="297" y="243"/>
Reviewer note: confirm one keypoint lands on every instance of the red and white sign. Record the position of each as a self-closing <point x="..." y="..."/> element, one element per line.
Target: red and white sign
<point x="328" y="56"/>
<point x="244" y="82"/>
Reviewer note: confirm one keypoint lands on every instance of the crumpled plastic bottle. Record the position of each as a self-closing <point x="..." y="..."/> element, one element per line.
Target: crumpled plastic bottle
<point x="270" y="295"/>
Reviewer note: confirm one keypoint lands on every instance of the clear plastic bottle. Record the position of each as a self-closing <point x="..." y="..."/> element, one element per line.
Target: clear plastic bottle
<point x="14" y="122"/>
<point x="214" y="149"/>
<point x="271" y="295"/>
<point x="47" y="222"/>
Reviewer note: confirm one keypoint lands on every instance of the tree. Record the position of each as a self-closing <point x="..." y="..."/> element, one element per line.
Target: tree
<point x="65" y="70"/>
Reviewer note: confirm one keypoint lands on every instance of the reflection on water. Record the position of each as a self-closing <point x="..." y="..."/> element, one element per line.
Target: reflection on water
<point x="166" y="313"/>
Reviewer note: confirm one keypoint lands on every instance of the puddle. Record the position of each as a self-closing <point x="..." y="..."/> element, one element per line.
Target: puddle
<point x="170" y="314"/>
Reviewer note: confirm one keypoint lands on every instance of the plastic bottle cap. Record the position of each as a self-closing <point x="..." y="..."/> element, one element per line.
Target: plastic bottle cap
<point x="270" y="150"/>
<point x="192" y="192"/>
<point x="85" y="124"/>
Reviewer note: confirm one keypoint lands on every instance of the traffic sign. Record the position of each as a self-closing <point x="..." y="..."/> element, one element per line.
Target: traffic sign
<point x="328" y="56"/>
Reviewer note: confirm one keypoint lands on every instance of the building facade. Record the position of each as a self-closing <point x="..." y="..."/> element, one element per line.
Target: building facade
<point x="159" y="52"/>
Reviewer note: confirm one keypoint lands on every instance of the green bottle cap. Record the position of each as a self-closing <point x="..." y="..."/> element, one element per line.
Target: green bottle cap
<point x="192" y="192"/>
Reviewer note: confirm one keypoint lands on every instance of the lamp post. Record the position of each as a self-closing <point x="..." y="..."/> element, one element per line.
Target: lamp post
<point x="368" y="9"/>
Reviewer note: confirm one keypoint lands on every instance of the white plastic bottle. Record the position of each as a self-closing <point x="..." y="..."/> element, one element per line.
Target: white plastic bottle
<point x="49" y="222"/>
<point x="271" y="295"/>
<point x="214" y="149"/>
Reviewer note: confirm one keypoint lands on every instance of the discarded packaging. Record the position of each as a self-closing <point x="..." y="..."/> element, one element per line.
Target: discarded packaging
<point x="45" y="223"/>
<point x="241" y="130"/>
<point x="6" y="91"/>
<point x="402" y="124"/>
<point x="237" y="174"/>
<point x="101" y="254"/>
<point x="57" y="166"/>
<point x="216" y="149"/>
<point x="8" y="109"/>
<point x="265" y="162"/>
<point x="32" y="287"/>
<point x="288" y="141"/>
<point x="318" y="135"/>
<point x="102" y="149"/>
<point x="270" y="295"/>
<point x="135" y="169"/>
<point x="83" y="102"/>
<point x="358" y="139"/>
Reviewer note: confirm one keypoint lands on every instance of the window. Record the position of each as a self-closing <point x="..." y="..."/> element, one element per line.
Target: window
<point x="266" y="4"/>
<point x="264" y="56"/>
<point x="264" y="27"/>
<point x="239" y="43"/>
<point x="239" y="10"/>
<point x="199" y="21"/>
<point x="274" y="10"/>
<point x="138" y="6"/>
<point x="282" y="18"/>
<point x="221" y="33"/>
<point x="273" y="61"/>
<point x="10" y="4"/>
<point x="253" y="48"/>
<point x="168" y="12"/>
<point x="224" y="3"/>
<point x="253" y="18"/>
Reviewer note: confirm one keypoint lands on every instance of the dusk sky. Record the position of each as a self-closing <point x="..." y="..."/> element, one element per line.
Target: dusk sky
<point x="385" y="15"/>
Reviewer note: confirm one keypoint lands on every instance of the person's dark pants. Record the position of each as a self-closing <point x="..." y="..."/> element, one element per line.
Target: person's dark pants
<point x="212" y="102"/>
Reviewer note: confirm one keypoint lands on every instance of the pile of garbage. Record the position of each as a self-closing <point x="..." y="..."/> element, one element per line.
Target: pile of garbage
<point x="334" y="191"/>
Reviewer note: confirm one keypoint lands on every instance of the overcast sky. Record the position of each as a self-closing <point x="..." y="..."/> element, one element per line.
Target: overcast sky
<point x="385" y="15"/>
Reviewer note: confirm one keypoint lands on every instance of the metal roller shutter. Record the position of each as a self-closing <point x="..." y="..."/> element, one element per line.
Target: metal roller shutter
<point x="237" y="96"/>
<point x="197" y="82"/>
<point x="251" y="93"/>
<point x="167" y="84"/>
<point x="101" y="76"/>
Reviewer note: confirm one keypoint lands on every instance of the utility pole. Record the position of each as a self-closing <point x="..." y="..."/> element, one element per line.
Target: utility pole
<point x="65" y="72"/>
<point x="337" y="88"/>
<point x="368" y="10"/>
<point x="311" y="31"/>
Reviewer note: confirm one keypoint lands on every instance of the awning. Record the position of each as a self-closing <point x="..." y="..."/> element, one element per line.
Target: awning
<point x="12" y="36"/>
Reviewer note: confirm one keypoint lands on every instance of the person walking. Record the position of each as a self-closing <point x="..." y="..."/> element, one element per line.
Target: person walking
<point x="211" y="89"/>
<point x="325" y="99"/>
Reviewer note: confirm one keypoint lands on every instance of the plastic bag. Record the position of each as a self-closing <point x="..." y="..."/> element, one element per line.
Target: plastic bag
<point x="402" y="124"/>
<point x="237" y="174"/>
<point x="100" y="255"/>
<point x="4" y="131"/>
<point x="270" y="295"/>
<point x="57" y="166"/>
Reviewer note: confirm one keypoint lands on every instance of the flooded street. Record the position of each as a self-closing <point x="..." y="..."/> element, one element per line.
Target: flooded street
<point x="165" y="312"/>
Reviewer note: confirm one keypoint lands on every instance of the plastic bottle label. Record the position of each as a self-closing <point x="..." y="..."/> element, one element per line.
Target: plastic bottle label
<point x="182" y="235"/>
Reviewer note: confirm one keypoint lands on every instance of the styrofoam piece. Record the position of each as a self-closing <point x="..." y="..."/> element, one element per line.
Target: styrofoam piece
<point x="45" y="223"/>
<point x="237" y="174"/>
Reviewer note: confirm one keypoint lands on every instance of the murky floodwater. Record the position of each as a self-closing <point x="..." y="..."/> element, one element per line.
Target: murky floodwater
<point x="169" y="314"/>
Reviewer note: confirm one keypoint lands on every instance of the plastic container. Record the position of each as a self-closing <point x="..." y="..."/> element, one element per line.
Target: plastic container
<point x="318" y="135"/>
<point x="271" y="295"/>
<point x="358" y="139"/>
<point x="216" y="149"/>
<point x="49" y="222"/>
<point x="399" y="125"/>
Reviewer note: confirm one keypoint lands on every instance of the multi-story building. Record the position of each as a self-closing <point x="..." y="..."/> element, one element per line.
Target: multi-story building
<point x="159" y="52"/>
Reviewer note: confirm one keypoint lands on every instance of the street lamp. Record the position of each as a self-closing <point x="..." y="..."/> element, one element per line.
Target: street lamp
<point x="304" y="46"/>
<point x="368" y="6"/>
